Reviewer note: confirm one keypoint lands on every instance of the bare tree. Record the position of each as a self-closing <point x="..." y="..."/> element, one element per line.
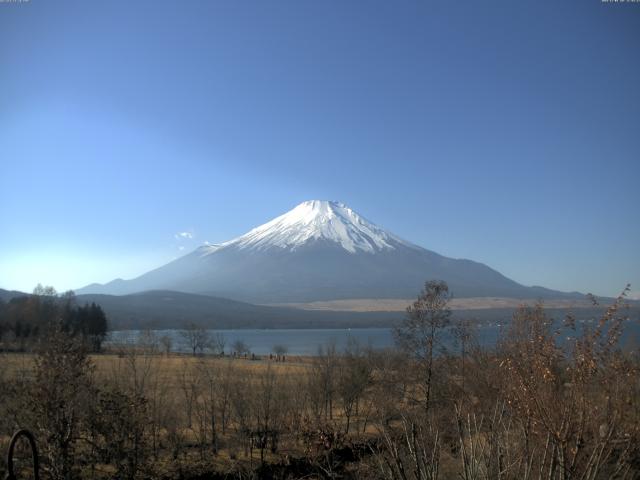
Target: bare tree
<point x="167" y="342"/>
<point x="217" y="343"/>
<point x="413" y="453"/>
<point x="62" y="390"/>
<point x="419" y="333"/>
<point x="464" y="335"/>
<point x="117" y="430"/>
<point x="572" y="405"/>
<point x="210" y="391"/>
<point x="196" y="337"/>
<point x="189" y="386"/>
<point x="268" y="409"/>
<point x="148" y="342"/>
<point x="223" y="397"/>
<point x="324" y="376"/>
<point x="354" y="376"/>
<point x="240" y="348"/>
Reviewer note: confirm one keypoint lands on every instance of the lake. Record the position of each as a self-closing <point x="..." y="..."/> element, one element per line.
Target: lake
<point x="307" y="341"/>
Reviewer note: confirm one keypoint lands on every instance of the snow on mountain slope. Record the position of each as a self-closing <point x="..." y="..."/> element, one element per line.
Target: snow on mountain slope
<point x="316" y="220"/>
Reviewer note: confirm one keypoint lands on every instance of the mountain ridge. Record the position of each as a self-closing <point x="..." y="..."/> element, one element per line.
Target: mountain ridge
<point x="320" y="250"/>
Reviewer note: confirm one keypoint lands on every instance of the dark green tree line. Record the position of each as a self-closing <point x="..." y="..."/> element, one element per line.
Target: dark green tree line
<point x="23" y="320"/>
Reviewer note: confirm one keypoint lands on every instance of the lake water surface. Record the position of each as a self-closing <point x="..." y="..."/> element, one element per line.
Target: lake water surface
<point x="307" y="341"/>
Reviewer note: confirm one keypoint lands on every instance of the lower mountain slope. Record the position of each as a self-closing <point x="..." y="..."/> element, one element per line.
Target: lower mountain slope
<point x="161" y="309"/>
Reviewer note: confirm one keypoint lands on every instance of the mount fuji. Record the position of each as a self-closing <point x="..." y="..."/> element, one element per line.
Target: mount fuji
<point x="319" y="251"/>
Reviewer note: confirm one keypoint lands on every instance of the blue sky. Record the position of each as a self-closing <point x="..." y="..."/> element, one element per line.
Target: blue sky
<point x="505" y="132"/>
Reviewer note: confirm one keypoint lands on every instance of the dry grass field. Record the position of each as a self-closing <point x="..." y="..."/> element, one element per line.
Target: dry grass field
<point x="400" y="305"/>
<point x="186" y="395"/>
<point x="169" y="367"/>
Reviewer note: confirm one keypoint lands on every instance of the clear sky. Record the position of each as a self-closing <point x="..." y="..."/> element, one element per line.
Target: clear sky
<point x="507" y="132"/>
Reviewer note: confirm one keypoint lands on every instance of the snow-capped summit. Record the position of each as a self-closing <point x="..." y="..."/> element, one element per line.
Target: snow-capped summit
<point x="316" y="220"/>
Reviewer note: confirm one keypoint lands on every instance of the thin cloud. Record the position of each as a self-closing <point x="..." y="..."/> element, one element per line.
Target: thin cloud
<point x="183" y="235"/>
<point x="181" y="247"/>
